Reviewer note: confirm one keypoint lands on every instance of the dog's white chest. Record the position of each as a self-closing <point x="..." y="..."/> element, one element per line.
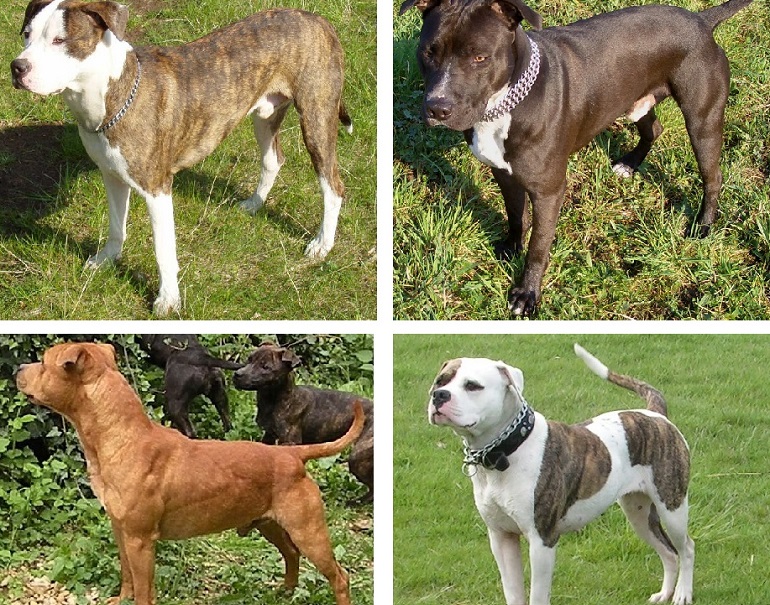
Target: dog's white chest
<point x="488" y="143"/>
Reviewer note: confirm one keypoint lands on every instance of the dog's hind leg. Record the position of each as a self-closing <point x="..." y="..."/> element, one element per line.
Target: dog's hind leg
<point x="301" y="513"/>
<point x="319" y="130"/>
<point x="676" y="525"/>
<point x="703" y="102"/>
<point x="266" y="126"/>
<point x="276" y="535"/>
<point x="644" y="518"/>
<point x="649" y="129"/>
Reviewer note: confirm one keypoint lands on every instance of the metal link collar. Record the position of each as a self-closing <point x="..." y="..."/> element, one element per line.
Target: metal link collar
<point x="119" y="116"/>
<point x="516" y="94"/>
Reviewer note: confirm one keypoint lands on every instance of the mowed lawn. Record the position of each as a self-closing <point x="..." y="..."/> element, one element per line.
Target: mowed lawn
<point x="233" y="265"/>
<point x="621" y="249"/>
<point x="717" y="395"/>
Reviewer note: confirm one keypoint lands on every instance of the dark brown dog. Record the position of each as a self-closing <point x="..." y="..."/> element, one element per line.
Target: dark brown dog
<point x="526" y="101"/>
<point x="190" y="370"/>
<point x="157" y="484"/>
<point x="301" y="414"/>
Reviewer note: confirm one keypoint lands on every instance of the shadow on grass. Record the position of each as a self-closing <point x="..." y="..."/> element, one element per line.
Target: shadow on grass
<point x="32" y="166"/>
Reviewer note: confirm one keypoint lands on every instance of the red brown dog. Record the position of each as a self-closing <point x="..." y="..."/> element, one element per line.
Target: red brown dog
<point x="156" y="484"/>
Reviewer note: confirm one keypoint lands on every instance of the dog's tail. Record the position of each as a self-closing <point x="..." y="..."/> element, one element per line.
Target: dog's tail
<point x="322" y="450"/>
<point x="653" y="397"/>
<point x="345" y="118"/>
<point x="716" y="14"/>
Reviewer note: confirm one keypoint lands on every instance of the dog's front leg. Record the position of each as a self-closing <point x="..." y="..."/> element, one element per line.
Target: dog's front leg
<point x="523" y="299"/>
<point x="161" y="212"/>
<point x="126" y="579"/>
<point x="518" y="216"/>
<point x="541" y="562"/>
<point x="506" y="549"/>
<point x="118" y="194"/>
<point x="140" y="553"/>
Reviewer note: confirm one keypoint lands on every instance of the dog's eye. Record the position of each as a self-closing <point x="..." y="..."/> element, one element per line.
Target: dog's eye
<point x="57" y="41"/>
<point x="479" y="59"/>
<point x="472" y="385"/>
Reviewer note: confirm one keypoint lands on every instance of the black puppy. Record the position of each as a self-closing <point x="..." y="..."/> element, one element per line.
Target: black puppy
<point x="527" y="100"/>
<point x="291" y="414"/>
<point x="190" y="371"/>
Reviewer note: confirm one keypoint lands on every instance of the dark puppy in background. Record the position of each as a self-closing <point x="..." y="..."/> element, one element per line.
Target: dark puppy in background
<point x="190" y="370"/>
<point x="293" y="414"/>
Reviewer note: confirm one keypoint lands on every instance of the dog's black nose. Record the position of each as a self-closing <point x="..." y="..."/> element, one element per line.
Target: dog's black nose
<point x="19" y="67"/>
<point x="440" y="397"/>
<point x="438" y="108"/>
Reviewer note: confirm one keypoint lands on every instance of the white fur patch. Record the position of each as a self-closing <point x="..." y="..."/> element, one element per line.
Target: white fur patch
<point x="322" y="243"/>
<point x="489" y="142"/>
<point x="641" y="108"/>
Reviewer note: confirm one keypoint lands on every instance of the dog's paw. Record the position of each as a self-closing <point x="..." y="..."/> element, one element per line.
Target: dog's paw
<point x="522" y="302"/>
<point x="166" y="304"/>
<point x="253" y="204"/>
<point x="682" y="597"/>
<point x="623" y="170"/>
<point x="660" y="597"/>
<point x="318" y="248"/>
<point x="101" y="258"/>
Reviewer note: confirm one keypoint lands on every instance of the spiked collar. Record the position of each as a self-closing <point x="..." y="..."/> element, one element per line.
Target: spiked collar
<point x="494" y="455"/>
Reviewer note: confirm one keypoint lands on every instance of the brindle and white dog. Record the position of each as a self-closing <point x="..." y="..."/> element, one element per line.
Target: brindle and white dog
<point x="541" y="479"/>
<point x="146" y="113"/>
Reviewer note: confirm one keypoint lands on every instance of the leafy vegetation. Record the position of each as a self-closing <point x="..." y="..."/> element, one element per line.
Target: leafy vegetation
<point x="51" y="522"/>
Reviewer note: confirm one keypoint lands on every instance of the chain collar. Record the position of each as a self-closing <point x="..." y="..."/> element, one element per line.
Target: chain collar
<point x="518" y="91"/>
<point x="119" y="116"/>
<point x="494" y="455"/>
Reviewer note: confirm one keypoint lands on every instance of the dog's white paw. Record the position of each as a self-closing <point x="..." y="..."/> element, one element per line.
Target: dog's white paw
<point x="682" y="598"/>
<point x="166" y="304"/>
<point x="102" y="257"/>
<point x="318" y="248"/>
<point x="661" y="597"/>
<point x="253" y="204"/>
<point x="623" y="171"/>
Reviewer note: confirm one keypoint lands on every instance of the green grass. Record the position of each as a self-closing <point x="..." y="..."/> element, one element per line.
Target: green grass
<point x="620" y="249"/>
<point x="233" y="265"/>
<point x="716" y="390"/>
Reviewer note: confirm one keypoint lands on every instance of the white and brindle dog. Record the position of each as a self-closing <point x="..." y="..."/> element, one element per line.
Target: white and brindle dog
<point x="146" y="113"/>
<point x="541" y="479"/>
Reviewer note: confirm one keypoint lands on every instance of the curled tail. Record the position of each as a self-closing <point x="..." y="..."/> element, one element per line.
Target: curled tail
<point x="345" y="118"/>
<point x="322" y="450"/>
<point x="653" y="397"/>
<point x="716" y="14"/>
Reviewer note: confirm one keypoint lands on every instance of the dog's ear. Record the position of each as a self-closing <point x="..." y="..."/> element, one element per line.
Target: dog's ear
<point x="513" y="377"/>
<point x="109" y="15"/>
<point x="84" y="358"/>
<point x="33" y="8"/>
<point x="515" y="11"/>
<point x="421" y="5"/>
<point x="288" y="356"/>
<point x="109" y="355"/>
